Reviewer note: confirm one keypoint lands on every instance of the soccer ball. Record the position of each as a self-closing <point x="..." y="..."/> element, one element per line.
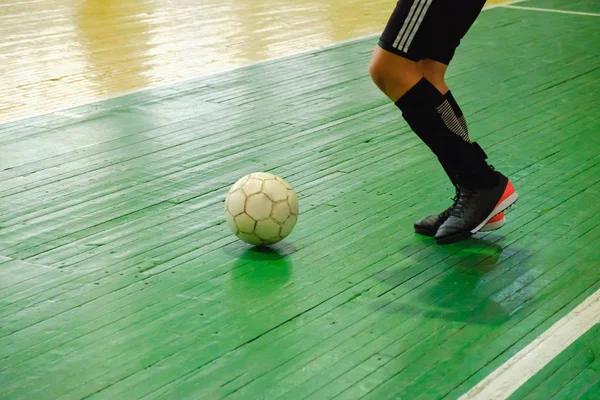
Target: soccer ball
<point x="261" y="209"/>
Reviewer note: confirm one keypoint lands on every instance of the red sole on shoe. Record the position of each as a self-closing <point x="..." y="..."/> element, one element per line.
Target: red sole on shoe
<point x="494" y="223"/>
<point x="509" y="197"/>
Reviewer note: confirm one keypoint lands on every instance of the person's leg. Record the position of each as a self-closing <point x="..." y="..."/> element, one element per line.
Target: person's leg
<point x="415" y="29"/>
<point x="425" y="109"/>
<point x="474" y="202"/>
<point x="412" y="33"/>
<point x="435" y="72"/>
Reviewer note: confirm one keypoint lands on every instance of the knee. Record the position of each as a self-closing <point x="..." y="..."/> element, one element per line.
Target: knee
<point x="383" y="69"/>
<point x="378" y="71"/>
<point x="393" y="74"/>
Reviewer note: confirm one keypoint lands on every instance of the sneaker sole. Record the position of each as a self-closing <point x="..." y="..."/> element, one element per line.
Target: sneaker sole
<point x="506" y="203"/>
<point x="424" y="232"/>
<point x="492" y="226"/>
<point x="454" y="238"/>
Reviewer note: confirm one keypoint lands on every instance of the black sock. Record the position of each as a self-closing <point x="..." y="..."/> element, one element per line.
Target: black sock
<point x="463" y="123"/>
<point x="430" y="116"/>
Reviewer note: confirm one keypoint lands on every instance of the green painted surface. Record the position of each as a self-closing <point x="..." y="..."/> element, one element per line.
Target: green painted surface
<point x="588" y="6"/>
<point x="119" y="279"/>
<point x="574" y="374"/>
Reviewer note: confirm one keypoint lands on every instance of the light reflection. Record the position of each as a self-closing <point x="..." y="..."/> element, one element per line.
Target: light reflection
<point x="69" y="52"/>
<point x="116" y="36"/>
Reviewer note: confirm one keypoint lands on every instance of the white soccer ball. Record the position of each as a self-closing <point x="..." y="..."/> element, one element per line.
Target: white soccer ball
<point x="261" y="209"/>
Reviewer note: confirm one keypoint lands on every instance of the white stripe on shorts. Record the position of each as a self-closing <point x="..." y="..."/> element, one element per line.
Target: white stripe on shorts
<point x="406" y="23"/>
<point x="406" y="43"/>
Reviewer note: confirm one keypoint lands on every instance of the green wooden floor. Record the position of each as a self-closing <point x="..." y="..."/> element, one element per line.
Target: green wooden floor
<point x="575" y="373"/>
<point x="119" y="278"/>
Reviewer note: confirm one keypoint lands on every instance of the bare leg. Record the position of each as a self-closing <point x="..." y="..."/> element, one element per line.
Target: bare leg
<point x="394" y="75"/>
<point x="434" y="72"/>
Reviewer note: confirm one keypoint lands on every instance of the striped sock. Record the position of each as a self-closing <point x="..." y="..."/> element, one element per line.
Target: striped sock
<point x="454" y="117"/>
<point x="431" y="117"/>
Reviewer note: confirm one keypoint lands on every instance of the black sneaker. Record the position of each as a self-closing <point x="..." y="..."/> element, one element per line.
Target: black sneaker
<point x="474" y="208"/>
<point x="429" y="225"/>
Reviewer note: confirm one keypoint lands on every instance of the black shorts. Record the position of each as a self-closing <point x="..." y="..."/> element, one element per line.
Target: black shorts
<point x="420" y="29"/>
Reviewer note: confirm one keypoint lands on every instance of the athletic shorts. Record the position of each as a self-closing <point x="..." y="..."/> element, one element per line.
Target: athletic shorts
<point x="421" y="29"/>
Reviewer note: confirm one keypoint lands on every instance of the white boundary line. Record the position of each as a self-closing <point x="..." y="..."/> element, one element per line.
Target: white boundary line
<point x="506" y="3"/>
<point x="550" y="10"/>
<point x="205" y="75"/>
<point x="509" y="377"/>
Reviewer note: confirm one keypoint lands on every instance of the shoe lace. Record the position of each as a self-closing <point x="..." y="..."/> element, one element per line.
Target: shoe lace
<point x="466" y="197"/>
<point x="446" y="213"/>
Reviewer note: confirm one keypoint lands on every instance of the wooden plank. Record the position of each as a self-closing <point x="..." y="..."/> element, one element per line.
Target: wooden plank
<point x="98" y="49"/>
<point x="150" y="295"/>
<point x="561" y="372"/>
